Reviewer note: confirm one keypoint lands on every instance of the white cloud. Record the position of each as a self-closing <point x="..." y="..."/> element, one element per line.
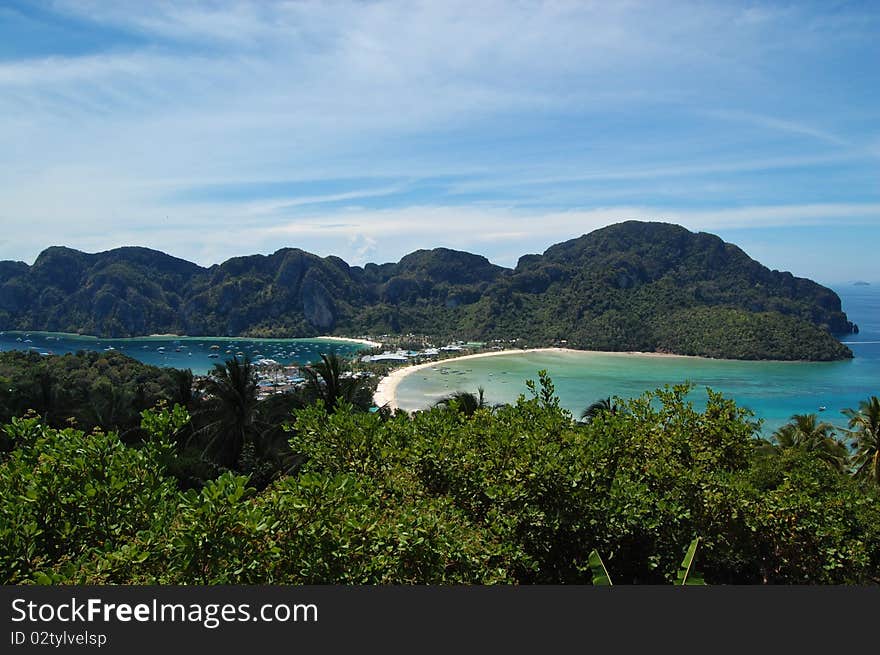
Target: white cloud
<point x="509" y="98"/>
<point x="779" y="124"/>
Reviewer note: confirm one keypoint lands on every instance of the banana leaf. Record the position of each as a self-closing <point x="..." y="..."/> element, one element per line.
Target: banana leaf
<point x="600" y="573"/>
<point x="686" y="574"/>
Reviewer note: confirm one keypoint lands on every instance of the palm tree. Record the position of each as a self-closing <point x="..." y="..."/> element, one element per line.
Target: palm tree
<point x="48" y="396"/>
<point x="602" y="406"/>
<point x="182" y="387"/>
<point x="864" y="426"/>
<point x="329" y="384"/>
<point x="465" y="402"/>
<point x="805" y="432"/>
<point x="232" y="388"/>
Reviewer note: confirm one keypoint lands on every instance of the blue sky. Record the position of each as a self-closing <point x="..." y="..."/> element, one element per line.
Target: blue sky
<point x="369" y="129"/>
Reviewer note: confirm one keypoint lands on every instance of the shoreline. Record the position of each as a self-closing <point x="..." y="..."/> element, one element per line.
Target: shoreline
<point x="364" y="342"/>
<point x="386" y="390"/>
<point x="169" y="335"/>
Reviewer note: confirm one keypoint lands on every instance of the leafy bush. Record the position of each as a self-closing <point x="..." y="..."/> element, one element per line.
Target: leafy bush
<point x="512" y="494"/>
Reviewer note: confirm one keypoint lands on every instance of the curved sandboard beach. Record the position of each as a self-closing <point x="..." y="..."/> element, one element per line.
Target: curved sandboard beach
<point x="386" y="391"/>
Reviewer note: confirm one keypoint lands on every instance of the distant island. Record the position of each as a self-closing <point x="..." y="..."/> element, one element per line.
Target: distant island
<point x="633" y="286"/>
<point x="861" y="283"/>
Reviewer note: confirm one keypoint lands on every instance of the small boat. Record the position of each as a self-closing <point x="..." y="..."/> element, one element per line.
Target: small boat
<point x="822" y="408"/>
<point x="212" y="355"/>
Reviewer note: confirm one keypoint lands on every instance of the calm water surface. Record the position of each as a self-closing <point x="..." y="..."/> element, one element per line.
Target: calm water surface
<point x="773" y="390"/>
<point x="182" y="352"/>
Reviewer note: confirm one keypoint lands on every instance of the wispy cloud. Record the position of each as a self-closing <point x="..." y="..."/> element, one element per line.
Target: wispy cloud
<point x="779" y="124"/>
<point x="487" y="126"/>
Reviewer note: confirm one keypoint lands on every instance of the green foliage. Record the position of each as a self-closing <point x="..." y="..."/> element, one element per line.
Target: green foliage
<point x="599" y="407"/>
<point x="105" y="390"/>
<point x="328" y="382"/>
<point x="520" y="494"/>
<point x="864" y="427"/>
<point x="600" y="573"/>
<point x="687" y="575"/>
<point x="465" y="401"/>
<point x="231" y="391"/>
<point x="805" y="432"/>
<point x="70" y="497"/>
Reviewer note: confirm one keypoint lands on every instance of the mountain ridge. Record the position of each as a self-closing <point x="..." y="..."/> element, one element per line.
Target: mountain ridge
<point x="630" y="286"/>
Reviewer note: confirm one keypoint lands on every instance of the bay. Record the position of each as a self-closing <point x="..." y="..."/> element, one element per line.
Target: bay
<point x="774" y="391"/>
<point x="196" y="353"/>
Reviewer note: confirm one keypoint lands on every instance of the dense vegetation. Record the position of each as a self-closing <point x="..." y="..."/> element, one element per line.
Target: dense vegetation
<point x="228" y="429"/>
<point x="461" y="493"/>
<point x="88" y="390"/>
<point x="631" y="286"/>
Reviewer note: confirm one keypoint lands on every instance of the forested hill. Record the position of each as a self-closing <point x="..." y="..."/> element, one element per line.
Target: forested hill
<point x="630" y="286"/>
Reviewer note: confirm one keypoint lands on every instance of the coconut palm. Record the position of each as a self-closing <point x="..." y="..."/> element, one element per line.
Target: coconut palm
<point x="181" y="391"/>
<point x="805" y="432"/>
<point x="864" y="426"/>
<point x="328" y="383"/>
<point x="232" y="400"/>
<point x="602" y="406"/>
<point x="465" y="402"/>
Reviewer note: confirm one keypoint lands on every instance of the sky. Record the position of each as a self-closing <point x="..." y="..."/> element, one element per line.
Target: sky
<point x="369" y="129"/>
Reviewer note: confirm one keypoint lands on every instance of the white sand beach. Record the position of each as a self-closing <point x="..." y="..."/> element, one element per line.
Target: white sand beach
<point x="365" y="342"/>
<point x="386" y="391"/>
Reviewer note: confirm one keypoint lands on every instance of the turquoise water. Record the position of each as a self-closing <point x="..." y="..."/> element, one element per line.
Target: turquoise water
<point x="182" y="352"/>
<point x="773" y="390"/>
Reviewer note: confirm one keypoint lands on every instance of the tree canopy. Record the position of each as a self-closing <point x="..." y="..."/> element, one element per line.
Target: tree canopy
<point x="521" y="493"/>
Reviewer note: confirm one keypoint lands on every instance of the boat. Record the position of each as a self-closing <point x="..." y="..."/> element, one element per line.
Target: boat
<point x="822" y="408"/>
<point x="212" y="355"/>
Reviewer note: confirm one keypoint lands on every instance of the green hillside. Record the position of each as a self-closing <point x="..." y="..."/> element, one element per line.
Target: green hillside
<point x="630" y="286"/>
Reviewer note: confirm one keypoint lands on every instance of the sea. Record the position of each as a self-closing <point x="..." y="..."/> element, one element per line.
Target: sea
<point x="774" y="391"/>
<point x="198" y="354"/>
